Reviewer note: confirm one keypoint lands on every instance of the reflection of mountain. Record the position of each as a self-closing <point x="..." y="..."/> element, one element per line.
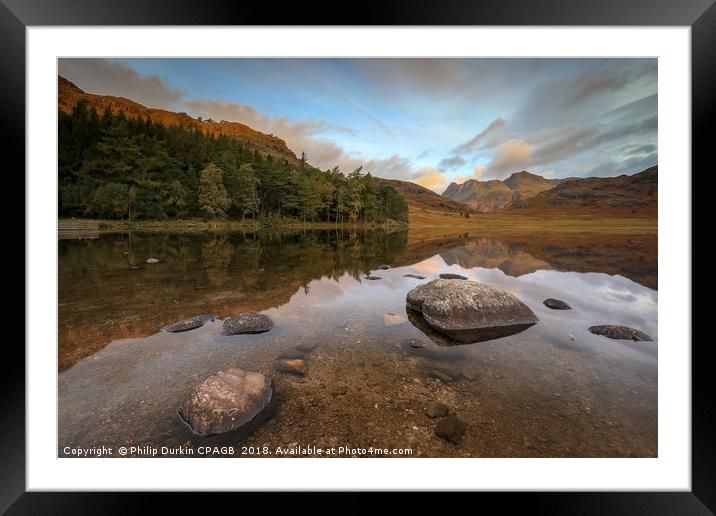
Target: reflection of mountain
<point x="634" y="257"/>
<point x="494" y="254"/>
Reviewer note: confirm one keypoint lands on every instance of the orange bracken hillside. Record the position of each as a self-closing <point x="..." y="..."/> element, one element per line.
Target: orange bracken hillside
<point x="69" y="95"/>
<point x="422" y="198"/>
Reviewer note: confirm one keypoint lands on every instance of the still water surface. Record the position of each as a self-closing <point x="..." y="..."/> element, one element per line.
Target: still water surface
<point x="552" y="390"/>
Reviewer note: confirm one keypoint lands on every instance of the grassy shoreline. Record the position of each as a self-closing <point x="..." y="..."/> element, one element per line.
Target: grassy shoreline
<point x="422" y="222"/>
<point x="104" y="225"/>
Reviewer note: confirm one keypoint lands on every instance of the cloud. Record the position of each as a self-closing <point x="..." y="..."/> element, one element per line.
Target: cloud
<point x="452" y="162"/>
<point x="431" y="178"/>
<point x="300" y="136"/>
<point x="110" y="77"/>
<point x="511" y="156"/>
<point x="478" y="142"/>
<point x="477" y="173"/>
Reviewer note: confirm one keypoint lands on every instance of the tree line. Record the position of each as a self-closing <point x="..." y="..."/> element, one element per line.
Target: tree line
<point x="114" y="166"/>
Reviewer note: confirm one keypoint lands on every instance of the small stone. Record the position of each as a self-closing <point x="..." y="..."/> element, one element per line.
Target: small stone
<point x="384" y="267"/>
<point x="292" y="366"/>
<point x="371" y="277"/>
<point x="416" y="343"/>
<point x="415" y="276"/>
<point x="152" y="260"/>
<point x="393" y="319"/>
<point x="451" y="428"/>
<point x="441" y="375"/>
<point x="437" y="409"/>
<point x="556" y="304"/>
<point x="450" y="275"/>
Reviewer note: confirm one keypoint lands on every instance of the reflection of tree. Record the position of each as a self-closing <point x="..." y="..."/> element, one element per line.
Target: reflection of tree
<point x="216" y="256"/>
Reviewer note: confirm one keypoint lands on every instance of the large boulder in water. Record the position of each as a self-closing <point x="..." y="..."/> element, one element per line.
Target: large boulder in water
<point x="226" y="401"/>
<point x="189" y="324"/>
<point x="615" y="331"/>
<point x="247" y="322"/>
<point x="468" y="311"/>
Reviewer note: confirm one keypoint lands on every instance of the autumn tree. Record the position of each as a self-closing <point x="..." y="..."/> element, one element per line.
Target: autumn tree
<point x="213" y="198"/>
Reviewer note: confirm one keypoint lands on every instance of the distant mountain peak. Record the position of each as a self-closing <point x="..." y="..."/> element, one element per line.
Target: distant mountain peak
<point x="494" y="194"/>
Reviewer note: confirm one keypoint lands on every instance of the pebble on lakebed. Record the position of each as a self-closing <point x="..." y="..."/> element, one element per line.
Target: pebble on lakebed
<point x="616" y="331"/>
<point x="226" y="401"/>
<point x="451" y="428"/>
<point x="393" y="319"/>
<point x="247" y="322"/>
<point x="556" y="304"/>
<point x="295" y="366"/>
<point x="437" y="409"/>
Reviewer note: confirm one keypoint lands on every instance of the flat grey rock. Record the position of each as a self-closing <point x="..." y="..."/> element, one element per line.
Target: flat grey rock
<point x="468" y="311"/>
<point x="615" y="331"/>
<point x="189" y="324"/>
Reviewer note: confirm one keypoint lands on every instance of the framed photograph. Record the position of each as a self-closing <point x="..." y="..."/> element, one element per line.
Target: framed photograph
<point x="442" y="250"/>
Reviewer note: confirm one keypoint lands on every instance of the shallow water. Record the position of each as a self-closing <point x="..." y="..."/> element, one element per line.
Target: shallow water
<point x="551" y="390"/>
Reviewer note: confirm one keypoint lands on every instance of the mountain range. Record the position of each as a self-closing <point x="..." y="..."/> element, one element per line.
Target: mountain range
<point x="494" y="195"/>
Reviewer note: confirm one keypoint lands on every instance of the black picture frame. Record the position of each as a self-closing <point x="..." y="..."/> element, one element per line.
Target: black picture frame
<point x="700" y="15"/>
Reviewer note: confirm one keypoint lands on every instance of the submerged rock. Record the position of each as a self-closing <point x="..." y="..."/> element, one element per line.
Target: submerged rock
<point x="416" y="276"/>
<point x="556" y="304"/>
<point x="443" y="376"/>
<point x="307" y="347"/>
<point x="393" y="319"/>
<point x="226" y="401"/>
<point x="292" y="366"/>
<point x="152" y="260"/>
<point x="189" y="324"/>
<point x="247" y="322"/>
<point x="437" y="409"/>
<point x="372" y="278"/>
<point x="293" y="353"/>
<point x="615" y="331"/>
<point x="451" y="428"/>
<point x="468" y="311"/>
<point x="450" y="275"/>
<point x="415" y="343"/>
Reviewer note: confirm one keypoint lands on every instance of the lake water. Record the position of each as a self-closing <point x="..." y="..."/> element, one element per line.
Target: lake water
<point x="553" y="390"/>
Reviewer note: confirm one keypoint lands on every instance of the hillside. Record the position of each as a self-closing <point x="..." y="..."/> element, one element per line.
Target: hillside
<point x="420" y="197"/>
<point x="493" y="195"/>
<point x="69" y="95"/>
<point x="621" y="195"/>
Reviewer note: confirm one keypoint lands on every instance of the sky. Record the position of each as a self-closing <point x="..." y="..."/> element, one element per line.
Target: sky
<point x="431" y="121"/>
